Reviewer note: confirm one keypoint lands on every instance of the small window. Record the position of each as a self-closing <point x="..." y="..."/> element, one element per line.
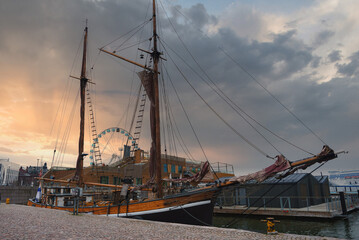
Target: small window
<point x="180" y="169"/>
<point x="104" y="179"/>
<point x="66" y="190"/>
<point x="139" y="181"/>
<point x="173" y="168"/>
<point x="165" y="168"/>
<point x="115" y="181"/>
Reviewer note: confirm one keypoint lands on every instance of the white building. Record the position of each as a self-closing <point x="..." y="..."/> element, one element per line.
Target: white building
<point x="344" y="181"/>
<point x="9" y="172"/>
<point x="348" y="177"/>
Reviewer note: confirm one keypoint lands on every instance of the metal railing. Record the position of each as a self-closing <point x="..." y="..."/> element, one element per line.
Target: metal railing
<point x="289" y="203"/>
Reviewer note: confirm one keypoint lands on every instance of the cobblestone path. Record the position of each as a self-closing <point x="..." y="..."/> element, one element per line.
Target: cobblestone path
<point x="23" y="222"/>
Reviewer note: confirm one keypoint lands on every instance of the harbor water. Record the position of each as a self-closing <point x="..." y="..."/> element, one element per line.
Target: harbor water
<point x="347" y="228"/>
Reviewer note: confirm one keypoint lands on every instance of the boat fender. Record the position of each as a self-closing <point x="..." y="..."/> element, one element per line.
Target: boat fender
<point x="124" y="190"/>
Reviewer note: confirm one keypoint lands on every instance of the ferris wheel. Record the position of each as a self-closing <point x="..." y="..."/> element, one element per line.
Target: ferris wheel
<point x="113" y="144"/>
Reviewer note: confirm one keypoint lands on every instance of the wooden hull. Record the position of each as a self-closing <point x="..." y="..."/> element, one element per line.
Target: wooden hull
<point x="194" y="208"/>
<point x="69" y="209"/>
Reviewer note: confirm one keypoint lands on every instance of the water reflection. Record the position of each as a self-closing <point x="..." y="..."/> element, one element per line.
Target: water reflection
<point x="347" y="228"/>
<point x="339" y="228"/>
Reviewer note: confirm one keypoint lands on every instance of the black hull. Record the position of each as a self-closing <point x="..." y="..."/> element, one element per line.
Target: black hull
<point x="200" y="214"/>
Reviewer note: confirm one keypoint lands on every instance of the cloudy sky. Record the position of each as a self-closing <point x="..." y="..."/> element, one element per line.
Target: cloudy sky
<point x="305" y="54"/>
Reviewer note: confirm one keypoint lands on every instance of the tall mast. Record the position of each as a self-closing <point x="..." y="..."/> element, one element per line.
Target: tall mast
<point x="153" y="91"/>
<point x="156" y="56"/>
<point x="79" y="164"/>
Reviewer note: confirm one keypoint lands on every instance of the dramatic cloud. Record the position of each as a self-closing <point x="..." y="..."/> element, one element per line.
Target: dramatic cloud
<point x="323" y="37"/>
<point x="351" y="68"/>
<point x="335" y="56"/>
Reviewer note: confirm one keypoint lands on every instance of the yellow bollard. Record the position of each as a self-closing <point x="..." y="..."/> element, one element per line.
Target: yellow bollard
<point x="270" y="225"/>
<point x="7" y="200"/>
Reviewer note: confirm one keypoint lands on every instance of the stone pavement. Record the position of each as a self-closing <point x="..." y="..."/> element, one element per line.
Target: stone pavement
<point x="23" y="222"/>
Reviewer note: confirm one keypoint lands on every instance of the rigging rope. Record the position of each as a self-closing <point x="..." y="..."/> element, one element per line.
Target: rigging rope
<point x="222" y="95"/>
<point x="67" y="131"/>
<point x="64" y="101"/>
<point x="274" y="97"/>
<point x="187" y="117"/>
<point x="234" y="220"/>
<point x="133" y="78"/>
<point x="184" y="148"/>
<point x="194" y="132"/>
<point x="135" y="111"/>
<point x="140" y="26"/>
<point x="133" y="70"/>
<point x="214" y="111"/>
<point x="232" y="104"/>
<point x="198" y="220"/>
<point x="170" y="120"/>
<point x="164" y="104"/>
<point x="253" y="78"/>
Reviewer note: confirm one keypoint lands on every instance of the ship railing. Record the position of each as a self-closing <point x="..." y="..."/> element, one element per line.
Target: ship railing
<point x="219" y="167"/>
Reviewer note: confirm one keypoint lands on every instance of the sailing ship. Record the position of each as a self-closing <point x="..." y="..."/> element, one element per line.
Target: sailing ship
<point x="194" y="206"/>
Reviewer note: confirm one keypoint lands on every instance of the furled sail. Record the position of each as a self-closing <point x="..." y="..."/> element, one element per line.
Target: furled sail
<point x="195" y="179"/>
<point x="147" y="82"/>
<point x="282" y="164"/>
